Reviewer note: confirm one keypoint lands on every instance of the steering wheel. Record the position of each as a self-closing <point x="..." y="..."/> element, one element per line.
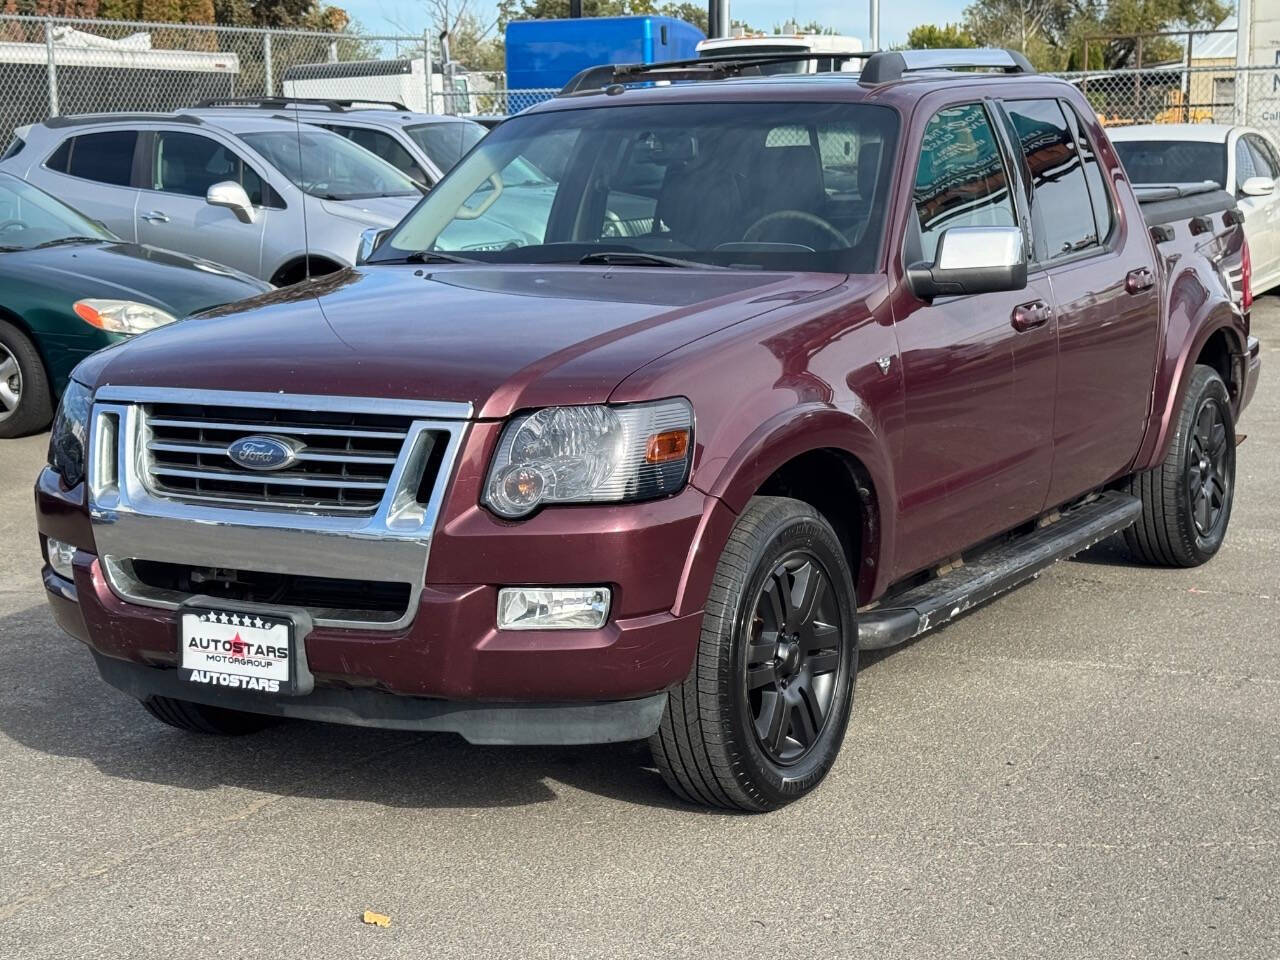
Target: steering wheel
<point x="753" y="232"/>
<point x="8" y="225"/>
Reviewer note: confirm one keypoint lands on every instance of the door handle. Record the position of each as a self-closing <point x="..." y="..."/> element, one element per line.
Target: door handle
<point x="155" y="216"/>
<point x="1029" y="315"/>
<point x="1136" y="281"/>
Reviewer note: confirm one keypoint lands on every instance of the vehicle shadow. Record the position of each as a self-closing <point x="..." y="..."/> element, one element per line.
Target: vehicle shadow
<point x="55" y="704"/>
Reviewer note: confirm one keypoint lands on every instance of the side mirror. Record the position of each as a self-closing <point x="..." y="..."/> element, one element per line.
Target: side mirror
<point x="370" y="240"/>
<point x="231" y="195"/>
<point x="1258" y="187"/>
<point x="972" y="260"/>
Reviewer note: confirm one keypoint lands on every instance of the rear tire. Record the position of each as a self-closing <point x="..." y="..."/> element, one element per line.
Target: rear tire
<point x="1186" y="501"/>
<point x="761" y="717"/>
<point x="26" y="402"/>
<point x="201" y="718"/>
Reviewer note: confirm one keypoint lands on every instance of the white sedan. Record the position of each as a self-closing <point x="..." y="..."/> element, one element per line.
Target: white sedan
<point x="1243" y="160"/>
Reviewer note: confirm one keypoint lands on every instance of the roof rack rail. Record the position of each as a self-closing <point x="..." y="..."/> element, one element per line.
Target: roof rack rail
<point x="280" y="103"/>
<point x="888" y="66"/>
<point x="83" y="119"/>
<point x="717" y="67"/>
<point x="880" y="67"/>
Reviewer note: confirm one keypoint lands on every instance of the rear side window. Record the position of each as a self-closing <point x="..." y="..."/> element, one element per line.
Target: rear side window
<point x="1062" y="215"/>
<point x="1099" y="195"/>
<point x="961" y="180"/>
<point x="105" y="157"/>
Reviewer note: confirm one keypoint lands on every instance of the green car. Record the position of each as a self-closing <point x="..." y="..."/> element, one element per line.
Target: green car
<point x="69" y="287"/>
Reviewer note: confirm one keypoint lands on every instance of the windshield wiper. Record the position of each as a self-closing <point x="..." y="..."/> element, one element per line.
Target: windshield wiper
<point x="635" y="258"/>
<point x="437" y="256"/>
<point x="61" y="240"/>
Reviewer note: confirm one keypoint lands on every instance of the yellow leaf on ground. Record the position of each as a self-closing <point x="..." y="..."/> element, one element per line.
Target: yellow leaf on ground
<point x="376" y="919"/>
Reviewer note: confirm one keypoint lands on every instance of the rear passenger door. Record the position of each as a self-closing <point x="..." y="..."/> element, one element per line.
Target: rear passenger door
<point x="1106" y="298"/>
<point x="95" y="174"/>
<point x="180" y="168"/>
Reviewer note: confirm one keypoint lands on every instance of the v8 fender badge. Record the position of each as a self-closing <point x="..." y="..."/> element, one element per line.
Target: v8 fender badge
<point x="264" y="453"/>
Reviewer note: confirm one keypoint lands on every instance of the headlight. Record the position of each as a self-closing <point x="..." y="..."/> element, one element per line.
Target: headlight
<point x="70" y="432"/>
<point x="592" y="454"/>
<point x="122" y="316"/>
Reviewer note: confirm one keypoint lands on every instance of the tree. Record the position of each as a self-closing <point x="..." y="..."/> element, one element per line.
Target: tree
<point x="929" y="36"/>
<point x="1051" y="32"/>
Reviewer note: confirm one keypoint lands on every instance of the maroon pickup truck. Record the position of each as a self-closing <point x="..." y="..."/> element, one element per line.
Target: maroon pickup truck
<point x="782" y="368"/>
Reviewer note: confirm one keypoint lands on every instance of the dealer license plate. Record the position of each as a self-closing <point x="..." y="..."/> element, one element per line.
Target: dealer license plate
<point x="233" y="650"/>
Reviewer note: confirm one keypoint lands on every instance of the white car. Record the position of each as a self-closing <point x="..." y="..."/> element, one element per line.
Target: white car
<point x="1243" y="160"/>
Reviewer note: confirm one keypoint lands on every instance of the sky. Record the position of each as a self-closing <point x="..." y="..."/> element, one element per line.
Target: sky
<point x="847" y="16"/>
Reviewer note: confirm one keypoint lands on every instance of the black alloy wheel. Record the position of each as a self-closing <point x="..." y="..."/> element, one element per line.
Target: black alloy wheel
<point x="790" y="663"/>
<point x="1209" y="467"/>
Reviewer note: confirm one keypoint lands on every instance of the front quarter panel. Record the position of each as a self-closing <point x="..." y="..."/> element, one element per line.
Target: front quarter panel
<point x="804" y="377"/>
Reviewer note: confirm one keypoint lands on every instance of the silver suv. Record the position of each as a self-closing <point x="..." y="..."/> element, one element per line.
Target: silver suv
<point x="232" y="186"/>
<point x="423" y="146"/>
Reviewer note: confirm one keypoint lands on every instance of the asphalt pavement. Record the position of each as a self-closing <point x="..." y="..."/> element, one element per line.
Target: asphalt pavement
<point x="1089" y="767"/>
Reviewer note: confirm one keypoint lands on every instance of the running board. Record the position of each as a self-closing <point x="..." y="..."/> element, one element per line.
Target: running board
<point x="992" y="572"/>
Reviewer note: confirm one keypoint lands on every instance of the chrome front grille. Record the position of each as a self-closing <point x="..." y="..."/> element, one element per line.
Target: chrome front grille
<point x="344" y="532"/>
<point x="344" y="461"/>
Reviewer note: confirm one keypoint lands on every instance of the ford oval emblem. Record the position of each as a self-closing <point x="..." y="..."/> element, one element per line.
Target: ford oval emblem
<point x="263" y="453"/>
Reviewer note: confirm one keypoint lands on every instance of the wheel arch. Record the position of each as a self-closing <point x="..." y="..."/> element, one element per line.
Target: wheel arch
<point x="1217" y="341"/>
<point x="320" y="265"/>
<point x="822" y="456"/>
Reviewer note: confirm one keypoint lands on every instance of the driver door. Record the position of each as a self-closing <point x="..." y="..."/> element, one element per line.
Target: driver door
<point x="172" y="212"/>
<point x="978" y="448"/>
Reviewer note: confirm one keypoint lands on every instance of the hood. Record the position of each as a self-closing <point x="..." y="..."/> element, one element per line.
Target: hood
<point x="500" y="338"/>
<point x="130" y="271"/>
<point x="373" y="212"/>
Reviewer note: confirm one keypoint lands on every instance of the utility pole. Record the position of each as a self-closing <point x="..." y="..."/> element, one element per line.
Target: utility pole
<point x="718" y="18"/>
<point x="875" y="24"/>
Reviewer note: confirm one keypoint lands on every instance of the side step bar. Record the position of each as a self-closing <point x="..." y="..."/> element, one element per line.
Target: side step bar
<point x="991" y="573"/>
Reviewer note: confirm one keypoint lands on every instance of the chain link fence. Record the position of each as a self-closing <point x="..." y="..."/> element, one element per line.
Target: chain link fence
<point x="1177" y="93"/>
<point x="53" y="66"/>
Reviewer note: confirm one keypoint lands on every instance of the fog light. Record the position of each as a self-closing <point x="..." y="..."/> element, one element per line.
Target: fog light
<point x="561" y="608"/>
<point x="60" y="555"/>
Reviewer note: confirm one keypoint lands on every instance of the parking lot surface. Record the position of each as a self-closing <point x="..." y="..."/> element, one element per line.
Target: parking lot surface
<point x="1089" y="767"/>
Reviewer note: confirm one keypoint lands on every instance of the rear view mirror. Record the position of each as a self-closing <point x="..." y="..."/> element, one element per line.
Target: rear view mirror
<point x="231" y="195"/>
<point x="972" y="260"/>
<point x="370" y="240"/>
<point x="1258" y="187"/>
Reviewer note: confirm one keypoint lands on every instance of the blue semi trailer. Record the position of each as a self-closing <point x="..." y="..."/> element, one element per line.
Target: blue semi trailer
<point x="544" y="54"/>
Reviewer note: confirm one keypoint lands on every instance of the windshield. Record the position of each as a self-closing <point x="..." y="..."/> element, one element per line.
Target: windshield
<point x="789" y="186"/>
<point x="1173" y="161"/>
<point x="30" y="218"/>
<point x="328" y="166"/>
<point x="446" y="143"/>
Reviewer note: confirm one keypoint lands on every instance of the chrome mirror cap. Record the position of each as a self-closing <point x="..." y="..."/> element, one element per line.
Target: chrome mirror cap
<point x="229" y="194"/>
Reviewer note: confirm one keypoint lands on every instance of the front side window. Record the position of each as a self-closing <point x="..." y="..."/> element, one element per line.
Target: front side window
<point x="105" y="157"/>
<point x="961" y="180"/>
<point x="1062" y="216"/>
<point x="189" y="164"/>
<point x="1261" y="155"/>
<point x="747" y="185"/>
<point x="29" y="217"/>
<point x="328" y="166"/>
<point x="1245" y="167"/>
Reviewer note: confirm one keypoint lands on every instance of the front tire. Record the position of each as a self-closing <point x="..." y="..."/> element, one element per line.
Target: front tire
<point x="760" y="719"/>
<point x="1186" y="501"/>
<point x="26" y="402"/>
<point x="202" y="718"/>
